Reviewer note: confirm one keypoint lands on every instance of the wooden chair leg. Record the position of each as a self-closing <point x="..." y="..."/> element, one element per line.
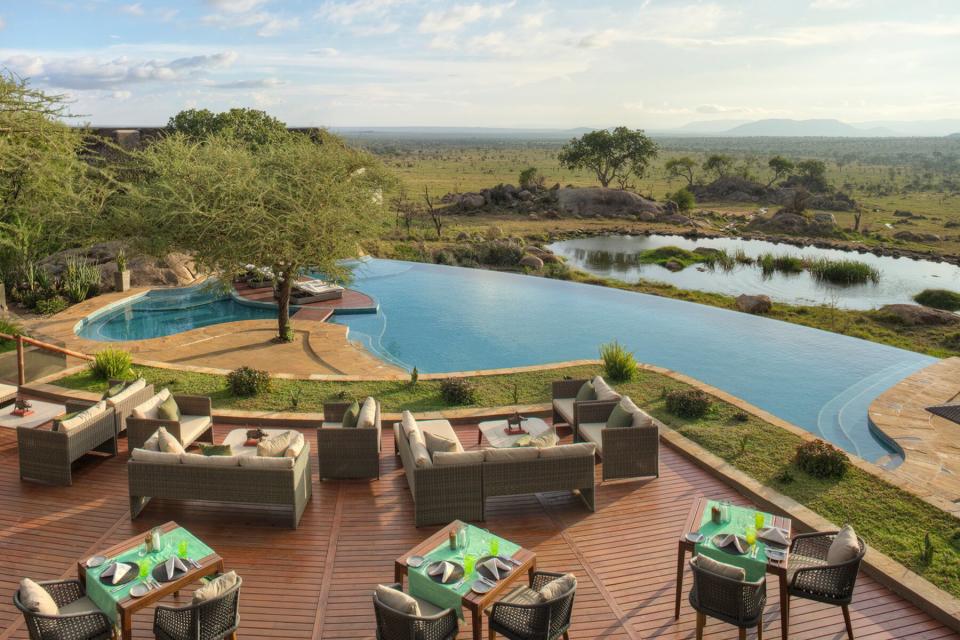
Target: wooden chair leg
<point x="701" y="620"/>
<point x="760" y="628"/>
<point x="846" y="620"/>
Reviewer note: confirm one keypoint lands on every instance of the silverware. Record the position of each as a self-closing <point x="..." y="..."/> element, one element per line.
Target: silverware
<point x="117" y="588"/>
<point x="486" y="581"/>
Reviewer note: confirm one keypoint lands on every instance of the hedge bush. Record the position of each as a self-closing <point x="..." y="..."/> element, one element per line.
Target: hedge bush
<point x="688" y="403"/>
<point x="111" y="364"/>
<point x="822" y="460"/>
<point x="245" y="381"/>
<point x="458" y="391"/>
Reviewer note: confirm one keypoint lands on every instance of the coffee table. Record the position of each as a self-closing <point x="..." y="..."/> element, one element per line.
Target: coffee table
<point x="496" y="435"/>
<point x="238" y="437"/>
<point x="43" y="412"/>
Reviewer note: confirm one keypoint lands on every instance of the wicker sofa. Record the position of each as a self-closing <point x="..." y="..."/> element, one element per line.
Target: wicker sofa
<point x="195" y="423"/>
<point x="627" y="452"/>
<point x="124" y="402"/>
<point x="455" y="485"/>
<point x="48" y="456"/>
<point x="282" y="482"/>
<point x="566" y="408"/>
<point x="347" y="453"/>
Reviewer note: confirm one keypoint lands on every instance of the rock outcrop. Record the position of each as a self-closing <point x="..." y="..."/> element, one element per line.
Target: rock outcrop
<point x="598" y="201"/>
<point x="754" y="304"/>
<point x="916" y="315"/>
<point x="175" y="269"/>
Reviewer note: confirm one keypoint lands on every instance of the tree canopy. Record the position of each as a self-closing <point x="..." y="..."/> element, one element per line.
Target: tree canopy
<point x="252" y="126"/>
<point x="612" y="155"/>
<point x="780" y="166"/>
<point x="719" y="165"/>
<point x="681" y="168"/>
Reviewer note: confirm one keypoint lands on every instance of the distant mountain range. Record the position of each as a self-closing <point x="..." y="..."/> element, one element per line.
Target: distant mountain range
<point x="827" y="128"/>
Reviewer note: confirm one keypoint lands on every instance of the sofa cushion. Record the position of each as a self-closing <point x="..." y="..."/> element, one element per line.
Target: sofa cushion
<point x="367" y="417"/>
<point x="619" y="417"/>
<point x="81" y="418"/>
<point x="152" y="443"/>
<point x="593" y="432"/>
<point x="297" y="442"/>
<point x="720" y="568"/>
<point x="845" y="546"/>
<point x="155" y="457"/>
<point x="439" y="428"/>
<point x="438" y="442"/>
<point x="149" y="409"/>
<point x="128" y="392"/>
<point x="167" y="442"/>
<point x="643" y="419"/>
<point x="511" y="454"/>
<point x="35" y="597"/>
<point x="216" y="587"/>
<point x="604" y="391"/>
<point x="564" y="408"/>
<point x="200" y="460"/>
<point x="168" y="409"/>
<point x="569" y="450"/>
<point x="216" y="449"/>
<point x="274" y="447"/>
<point x="444" y="459"/>
<point x="351" y="415"/>
<point x="80" y="605"/>
<point x="421" y="455"/>
<point x="398" y="600"/>
<point x="260" y="462"/>
<point x="523" y="595"/>
<point x="411" y="429"/>
<point x="559" y="586"/>
<point x="586" y="393"/>
<point x="191" y="427"/>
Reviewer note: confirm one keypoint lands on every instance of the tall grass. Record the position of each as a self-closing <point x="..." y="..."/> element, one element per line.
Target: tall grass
<point x="721" y="259"/>
<point x="843" y="271"/>
<point x="80" y="278"/>
<point x="939" y="299"/>
<point x="783" y="263"/>
<point x="111" y="364"/>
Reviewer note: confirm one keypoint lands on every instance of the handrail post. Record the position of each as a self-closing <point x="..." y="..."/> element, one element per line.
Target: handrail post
<point x="21" y="363"/>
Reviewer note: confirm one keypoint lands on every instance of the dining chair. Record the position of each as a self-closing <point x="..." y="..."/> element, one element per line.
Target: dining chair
<point x="524" y="615"/>
<point x="811" y="577"/>
<point x="396" y="625"/>
<point x="213" y="619"/>
<point x="78" y="617"/>
<point x="736" y="602"/>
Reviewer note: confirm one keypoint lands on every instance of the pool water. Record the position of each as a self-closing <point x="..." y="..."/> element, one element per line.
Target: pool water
<point x="442" y="319"/>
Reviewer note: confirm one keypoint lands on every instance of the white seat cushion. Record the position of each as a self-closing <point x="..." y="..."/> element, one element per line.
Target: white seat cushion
<point x="398" y="600"/>
<point x="368" y="414"/>
<point x="7" y="389"/>
<point x="593" y="432"/>
<point x="134" y="387"/>
<point x="720" y="568"/>
<point x="569" y="450"/>
<point x="85" y="416"/>
<point x="440" y="428"/>
<point x="564" y="407"/>
<point x="150" y="408"/>
<point x="442" y="459"/>
<point x="511" y="454"/>
<point x="81" y="605"/>
<point x="200" y="460"/>
<point x="844" y="547"/>
<point x="260" y="462"/>
<point x="191" y="427"/>
<point x="155" y="457"/>
<point x="604" y="391"/>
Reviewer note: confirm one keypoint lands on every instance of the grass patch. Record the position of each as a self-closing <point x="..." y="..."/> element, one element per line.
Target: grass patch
<point x="844" y="271"/>
<point x="663" y="255"/>
<point x="888" y="518"/>
<point x="939" y="299"/>
<point x="783" y="263"/>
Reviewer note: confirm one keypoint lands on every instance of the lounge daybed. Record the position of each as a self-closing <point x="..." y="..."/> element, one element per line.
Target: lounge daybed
<point x="627" y="439"/>
<point x="47" y="452"/>
<point x="244" y="477"/>
<point x="450" y="483"/>
<point x="569" y="396"/>
<point x="350" y="450"/>
<point x="194" y="419"/>
<point x="315" y="291"/>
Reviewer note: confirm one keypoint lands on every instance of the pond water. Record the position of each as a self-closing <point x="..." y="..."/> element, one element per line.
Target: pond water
<point x="900" y="278"/>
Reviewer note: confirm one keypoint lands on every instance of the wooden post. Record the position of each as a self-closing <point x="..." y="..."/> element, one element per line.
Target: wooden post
<point x="21" y="364"/>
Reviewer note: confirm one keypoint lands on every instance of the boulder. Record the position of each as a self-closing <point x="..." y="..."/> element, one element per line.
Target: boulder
<point x="175" y="269"/>
<point x="673" y="265"/>
<point x="754" y="304"/>
<point x="525" y="195"/>
<point x="825" y="219"/>
<point x="471" y="202"/>
<point x="915" y="315"/>
<point x="646" y="216"/>
<point x="910" y="236"/>
<point x="591" y="201"/>
<point x="532" y="262"/>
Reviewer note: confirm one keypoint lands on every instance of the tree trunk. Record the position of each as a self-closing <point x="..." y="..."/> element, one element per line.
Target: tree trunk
<point x="285" y="331"/>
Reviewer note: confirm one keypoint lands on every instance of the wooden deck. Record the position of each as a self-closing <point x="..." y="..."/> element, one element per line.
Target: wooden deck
<point x="317" y="581"/>
<point x="352" y="301"/>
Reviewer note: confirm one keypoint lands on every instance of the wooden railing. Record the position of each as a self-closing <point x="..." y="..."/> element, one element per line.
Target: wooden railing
<point x="21" y="360"/>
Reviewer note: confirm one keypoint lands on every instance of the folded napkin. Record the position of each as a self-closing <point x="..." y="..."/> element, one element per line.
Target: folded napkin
<point x="776" y="535"/>
<point x="493" y="567"/>
<point x="445" y="568"/>
<point x="117" y="570"/>
<point x="172" y="565"/>
<point x="728" y="540"/>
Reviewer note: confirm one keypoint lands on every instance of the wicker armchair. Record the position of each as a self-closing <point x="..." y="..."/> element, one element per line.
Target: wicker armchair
<point x="394" y="625"/>
<point x="735" y="602"/>
<point x="630" y="452"/>
<point x="813" y="579"/>
<point x="565" y="406"/>
<point x="210" y="620"/>
<point x="542" y="621"/>
<point x="347" y="453"/>
<point x="88" y="623"/>
<point x="196" y="423"/>
<point x="48" y="456"/>
<point x="124" y="408"/>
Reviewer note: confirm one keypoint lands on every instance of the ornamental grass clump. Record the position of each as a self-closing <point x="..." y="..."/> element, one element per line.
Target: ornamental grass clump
<point x="688" y="403"/>
<point x="844" y="271"/>
<point x="111" y="364"/>
<point x="80" y="279"/>
<point x="458" y="391"/>
<point x="619" y="365"/>
<point x="939" y="299"/>
<point x="246" y="382"/>
<point x="822" y="460"/>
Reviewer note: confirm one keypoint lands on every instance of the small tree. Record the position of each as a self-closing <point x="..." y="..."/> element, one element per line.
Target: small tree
<point x="681" y="168"/>
<point x="611" y="155"/>
<point x="405" y="210"/>
<point x="719" y="165"/>
<point x="253" y="126"/>
<point x="436" y="213"/>
<point x="531" y="179"/>
<point x="781" y="168"/>
<point x="813" y="174"/>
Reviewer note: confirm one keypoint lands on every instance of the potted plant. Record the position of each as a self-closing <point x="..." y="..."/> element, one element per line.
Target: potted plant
<point x="121" y="279"/>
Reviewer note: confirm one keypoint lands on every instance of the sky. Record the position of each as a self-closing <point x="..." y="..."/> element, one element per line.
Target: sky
<point x="650" y="64"/>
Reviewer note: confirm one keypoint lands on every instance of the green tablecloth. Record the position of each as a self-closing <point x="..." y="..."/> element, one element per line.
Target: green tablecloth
<point x="107" y="600"/>
<point x="738" y="521"/>
<point x="445" y="596"/>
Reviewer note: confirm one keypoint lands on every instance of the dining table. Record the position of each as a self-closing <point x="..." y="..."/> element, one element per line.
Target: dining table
<point x="117" y="602"/>
<point x="736" y="520"/>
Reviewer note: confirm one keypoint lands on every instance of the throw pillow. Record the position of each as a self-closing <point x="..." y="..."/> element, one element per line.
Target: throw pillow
<point x="351" y="415"/>
<point x="559" y="586"/>
<point x="58" y="422"/>
<point x="216" y="587"/>
<point x="586" y="392"/>
<point x="437" y="443"/>
<point x="296" y="445"/>
<point x="720" y="568"/>
<point x="642" y="419"/>
<point x="114" y="390"/>
<point x="604" y="391"/>
<point x="421" y="456"/>
<point x="545" y="440"/>
<point x="168" y="410"/>
<point x="35" y="597"/>
<point x="274" y="447"/>
<point x="168" y="443"/>
<point x="216" y="449"/>
<point x="619" y="418"/>
<point x="398" y="600"/>
<point x="367" y="417"/>
<point x="844" y="547"/>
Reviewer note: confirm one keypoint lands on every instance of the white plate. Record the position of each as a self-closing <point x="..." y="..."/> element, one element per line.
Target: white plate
<point x="95" y="561"/>
<point x="479" y="586"/>
<point x="139" y="590"/>
<point x="415" y="561"/>
<point x="775" y="554"/>
<point x="695" y="537"/>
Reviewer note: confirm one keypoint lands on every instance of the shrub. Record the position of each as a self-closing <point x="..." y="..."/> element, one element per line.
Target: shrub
<point x="688" y="403"/>
<point x="952" y="341"/>
<point x="51" y="306"/>
<point x="531" y="179"/>
<point x="939" y="299"/>
<point x="458" y="391"/>
<point x="443" y="256"/>
<point x="414" y="376"/>
<point x="618" y="363"/>
<point x="500" y="253"/>
<point x="684" y="199"/>
<point x="557" y="270"/>
<point x="11" y="328"/>
<point x="80" y="279"/>
<point x="822" y="460"/>
<point x="844" y="271"/>
<point x="245" y="381"/>
<point x="111" y="364"/>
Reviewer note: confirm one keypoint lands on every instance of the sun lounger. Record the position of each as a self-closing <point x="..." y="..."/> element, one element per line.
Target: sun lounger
<point x="316" y="291"/>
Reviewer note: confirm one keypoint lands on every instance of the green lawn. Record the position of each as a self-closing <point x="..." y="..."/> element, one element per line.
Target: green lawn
<point x="888" y="518"/>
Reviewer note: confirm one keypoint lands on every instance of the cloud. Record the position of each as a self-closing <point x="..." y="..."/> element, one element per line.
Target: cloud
<point x="324" y="52"/>
<point x="458" y="16"/>
<point x="3" y="23"/>
<point x="348" y="12"/>
<point x="236" y="6"/>
<point x="135" y="9"/>
<point x="267" y="24"/>
<point x="260" y="83"/>
<point x="120" y="95"/>
<point x="834" y="4"/>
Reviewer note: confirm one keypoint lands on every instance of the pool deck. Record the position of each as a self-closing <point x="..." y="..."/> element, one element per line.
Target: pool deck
<point x="351" y="302"/>
<point x="931" y="444"/>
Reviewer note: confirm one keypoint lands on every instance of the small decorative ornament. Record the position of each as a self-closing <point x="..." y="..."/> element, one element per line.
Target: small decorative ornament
<point x="515" y="424"/>
<point x="22" y="407"/>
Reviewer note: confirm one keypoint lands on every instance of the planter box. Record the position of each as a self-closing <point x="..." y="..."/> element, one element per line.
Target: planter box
<point x="121" y="281"/>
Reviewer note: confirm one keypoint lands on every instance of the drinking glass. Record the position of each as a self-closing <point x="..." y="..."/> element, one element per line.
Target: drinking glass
<point x="144" y="568"/>
<point x="469" y="563"/>
<point x="494" y="545"/>
<point x="758" y="520"/>
<point x="182" y="549"/>
<point x="751" y="536"/>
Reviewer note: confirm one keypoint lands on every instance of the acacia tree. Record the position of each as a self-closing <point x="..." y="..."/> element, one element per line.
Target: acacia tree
<point x="611" y="155"/>
<point x="681" y="168"/>
<point x="253" y="126"/>
<point x="781" y="168"/>
<point x="295" y="204"/>
<point x="719" y="165"/>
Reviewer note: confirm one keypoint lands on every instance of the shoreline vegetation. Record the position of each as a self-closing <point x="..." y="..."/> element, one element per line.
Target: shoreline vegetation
<point x="764" y="451"/>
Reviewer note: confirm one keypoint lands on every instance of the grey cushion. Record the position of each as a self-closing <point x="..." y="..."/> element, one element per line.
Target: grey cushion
<point x="844" y="547"/>
<point x="619" y="418"/>
<point x="593" y="432"/>
<point x="720" y="568"/>
<point x="569" y="450"/>
<point x="398" y="600"/>
<point x="437" y="442"/>
<point x="351" y="415"/>
<point x="564" y="408"/>
<point x="82" y="605"/>
<point x="586" y="392"/>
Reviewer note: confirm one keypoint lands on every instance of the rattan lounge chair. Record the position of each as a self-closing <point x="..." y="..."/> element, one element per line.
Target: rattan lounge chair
<point x="565" y="405"/>
<point x="628" y="452"/>
<point x="735" y="602"/>
<point x="347" y="453"/>
<point x="521" y="617"/>
<point x="813" y="579"/>
<point x="78" y="619"/>
<point x="210" y="620"/>
<point x="195" y="423"/>
<point x="394" y="625"/>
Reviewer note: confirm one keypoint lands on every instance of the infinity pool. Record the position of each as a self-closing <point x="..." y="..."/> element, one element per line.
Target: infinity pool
<point x="443" y="319"/>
